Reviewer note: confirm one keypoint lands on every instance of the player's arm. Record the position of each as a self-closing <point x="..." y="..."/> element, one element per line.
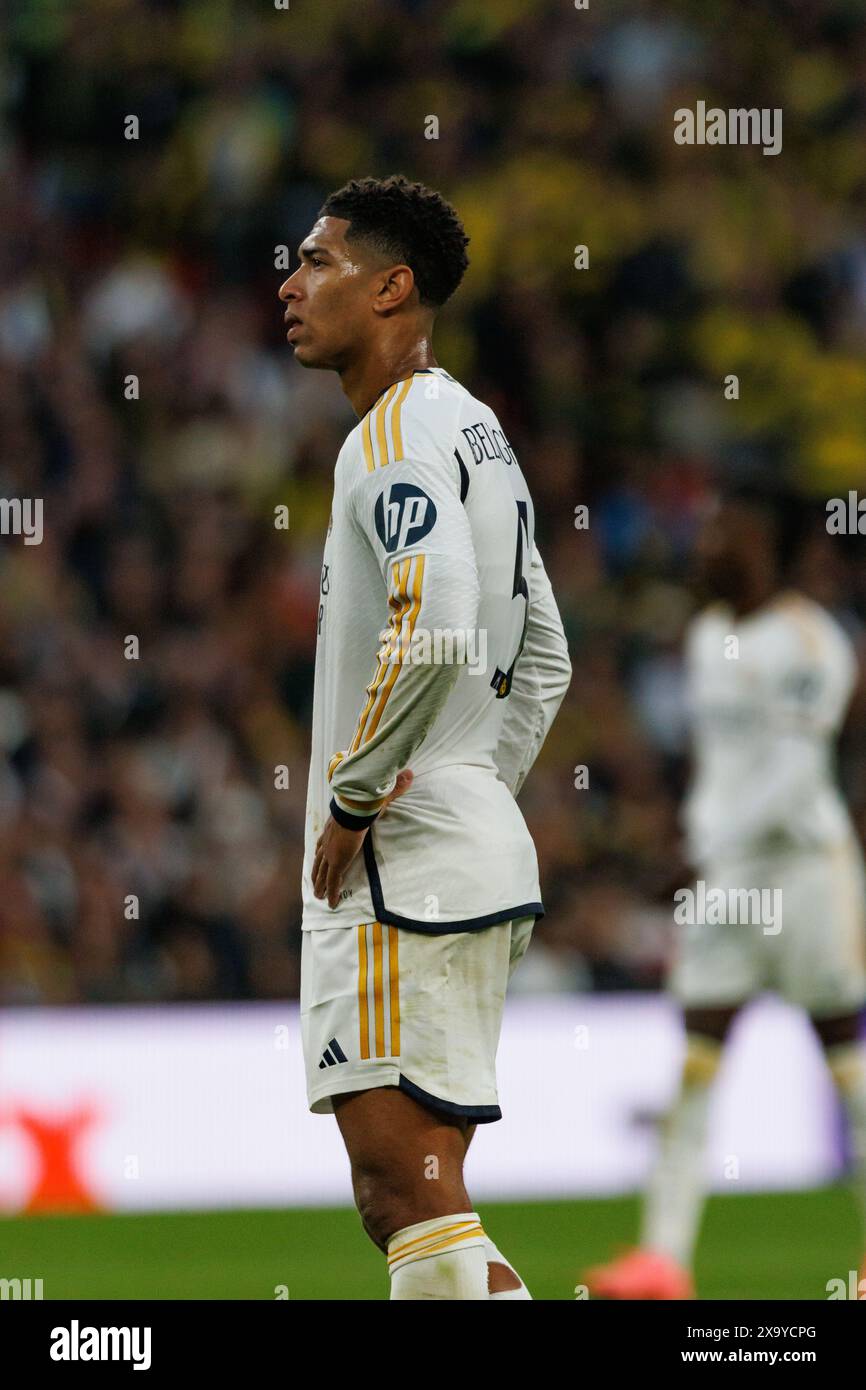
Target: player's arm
<point x="541" y="678"/>
<point x="790" y="778"/>
<point x="412" y="517"/>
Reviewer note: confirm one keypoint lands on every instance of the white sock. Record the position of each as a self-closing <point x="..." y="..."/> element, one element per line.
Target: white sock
<point x="443" y="1258"/>
<point x="848" y="1069"/>
<point x="495" y="1257"/>
<point x="675" y="1193"/>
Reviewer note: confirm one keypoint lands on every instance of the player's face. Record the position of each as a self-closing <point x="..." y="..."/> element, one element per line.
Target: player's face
<point x="723" y="550"/>
<point x="328" y="298"/>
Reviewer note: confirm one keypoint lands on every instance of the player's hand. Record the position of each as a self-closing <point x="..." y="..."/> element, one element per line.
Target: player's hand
<point x="403" y="783"/>
<point x="336" y="848"/>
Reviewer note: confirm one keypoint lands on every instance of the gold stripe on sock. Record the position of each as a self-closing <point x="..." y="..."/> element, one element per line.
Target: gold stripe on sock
<point x="702" y="1059"/>
<point x="437" y="1247"/>
<point x="431" y="1235"/>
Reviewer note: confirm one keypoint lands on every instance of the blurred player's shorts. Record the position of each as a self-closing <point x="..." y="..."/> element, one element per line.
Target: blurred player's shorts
<point x="384" y="1006"/>
<point x="808" y="944"/>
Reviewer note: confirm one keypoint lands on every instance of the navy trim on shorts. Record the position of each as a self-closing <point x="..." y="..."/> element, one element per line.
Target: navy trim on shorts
<point x="479" y="1114"/>
<point x="392" y="919"/>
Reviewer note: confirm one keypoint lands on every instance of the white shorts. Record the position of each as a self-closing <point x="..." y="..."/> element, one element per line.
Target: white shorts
<point x="817" y="958"/>
<point x="383" y="1006"/>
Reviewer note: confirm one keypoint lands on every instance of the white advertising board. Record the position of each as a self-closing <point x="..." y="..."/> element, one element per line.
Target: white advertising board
<point x="204" y="1106"/>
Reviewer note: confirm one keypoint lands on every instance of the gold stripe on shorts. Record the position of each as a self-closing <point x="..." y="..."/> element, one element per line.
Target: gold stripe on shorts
<point x="378" y="1001"/>
<point x="377" y="953"/>
<point x="363" y="1012"/>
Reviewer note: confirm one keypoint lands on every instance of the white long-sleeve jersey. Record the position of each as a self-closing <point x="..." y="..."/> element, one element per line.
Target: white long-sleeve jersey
<point x="440" y="649"/>
<point x="768" y="694"/>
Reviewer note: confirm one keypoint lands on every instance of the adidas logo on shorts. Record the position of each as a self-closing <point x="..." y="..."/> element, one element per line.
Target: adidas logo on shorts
<point x="332" y="1055"/>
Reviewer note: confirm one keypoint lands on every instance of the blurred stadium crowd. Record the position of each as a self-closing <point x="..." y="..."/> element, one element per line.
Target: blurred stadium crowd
<point x="154" y="258"/>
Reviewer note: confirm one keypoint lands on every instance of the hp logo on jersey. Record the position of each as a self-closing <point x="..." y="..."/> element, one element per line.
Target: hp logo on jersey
<point x="407" y="516"/>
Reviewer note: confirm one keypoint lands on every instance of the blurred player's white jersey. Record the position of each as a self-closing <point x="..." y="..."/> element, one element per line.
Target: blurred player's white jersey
<point x="431" y="588"/>
<point x="768" y="694"/>
<point x="765" y="818"/>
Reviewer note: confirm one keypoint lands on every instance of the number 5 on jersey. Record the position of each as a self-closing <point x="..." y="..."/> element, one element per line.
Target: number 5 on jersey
<point x="501" y="681"/>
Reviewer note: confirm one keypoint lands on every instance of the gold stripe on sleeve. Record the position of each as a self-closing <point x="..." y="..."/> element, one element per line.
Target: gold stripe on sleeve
<point x="405" y="639"/>
<point x="334" y="764"/>
<point x="381" y="414"/>
<point x="367" y="437"/>
<point x="396" y="422"/>
<point x="399" y="602"/>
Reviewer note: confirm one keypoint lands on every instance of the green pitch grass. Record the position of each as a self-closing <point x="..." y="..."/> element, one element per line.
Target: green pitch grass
<point x="775" y="1246"/>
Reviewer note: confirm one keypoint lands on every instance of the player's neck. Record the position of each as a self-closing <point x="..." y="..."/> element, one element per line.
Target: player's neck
<point x="755" y="596"/>
<point x="364" y="381"/>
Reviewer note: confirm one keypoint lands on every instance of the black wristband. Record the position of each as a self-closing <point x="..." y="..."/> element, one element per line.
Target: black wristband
<point x="347" y="820"/>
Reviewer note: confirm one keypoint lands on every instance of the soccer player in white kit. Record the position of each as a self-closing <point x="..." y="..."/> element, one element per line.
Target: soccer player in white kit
<point x="441" y="662"/>
<point x="770" y="675"/>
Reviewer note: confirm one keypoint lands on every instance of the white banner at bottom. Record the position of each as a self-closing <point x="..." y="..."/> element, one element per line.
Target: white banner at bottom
<point x="204" y="1106"/>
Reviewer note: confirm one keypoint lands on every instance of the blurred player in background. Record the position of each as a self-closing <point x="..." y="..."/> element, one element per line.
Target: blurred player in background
<point x="414" y="919"/>
<point x="764" y="812"/>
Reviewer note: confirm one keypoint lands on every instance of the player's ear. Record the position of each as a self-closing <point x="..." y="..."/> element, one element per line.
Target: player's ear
<point x="397" y="284"/>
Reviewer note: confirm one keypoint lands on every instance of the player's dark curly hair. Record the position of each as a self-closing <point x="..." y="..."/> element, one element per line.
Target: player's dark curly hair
<point x="409" y="223"/>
